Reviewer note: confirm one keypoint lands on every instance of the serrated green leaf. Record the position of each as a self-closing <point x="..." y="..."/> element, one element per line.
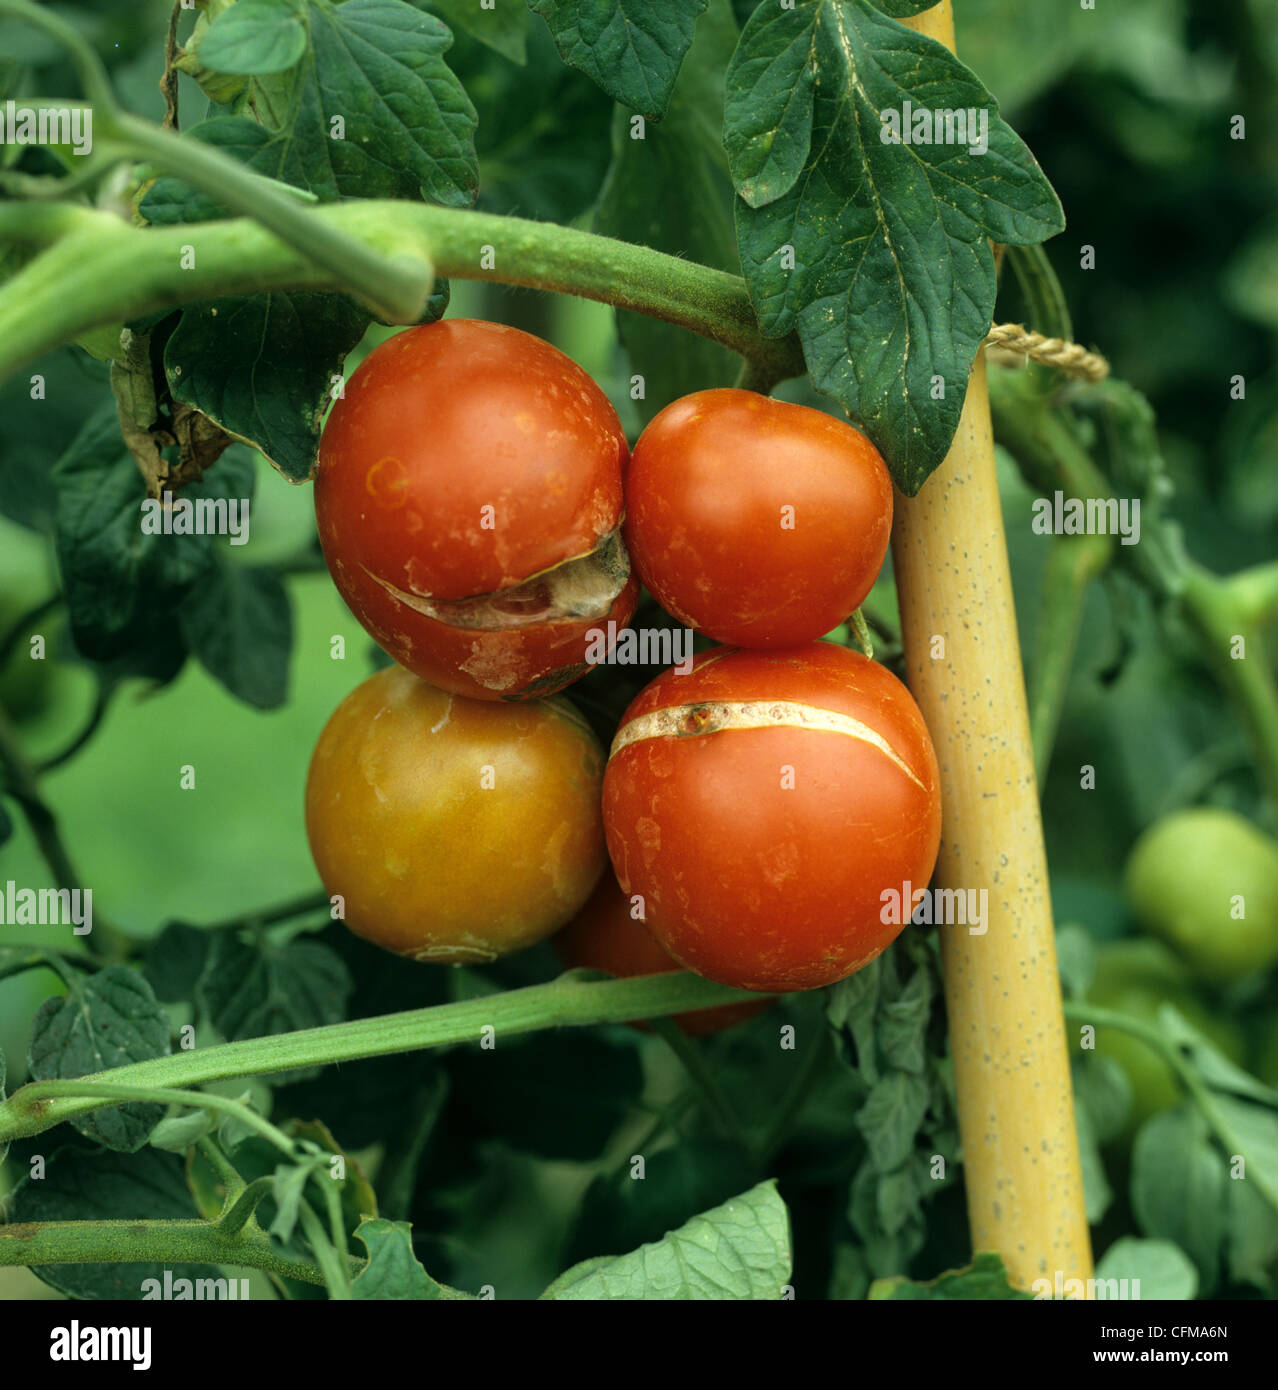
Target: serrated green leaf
<point x="262" y="367"/>
<point x="902" y="1024"/>
<point x="105" y="1186"/>
<point x="239" y="623"/>
<point x="740" y="1250"/>
<point x="877" y="252"/>
<point x="890" y="1118"/>
<point x="255" y="36"/>
<point x="254" y="991"/>
<point x="985" y="1278"/>
<point x="393" y="1271"/>
<point x="105" y="1020"/>
<point x="631" y="48"/>
<point x="177" y="1133"/>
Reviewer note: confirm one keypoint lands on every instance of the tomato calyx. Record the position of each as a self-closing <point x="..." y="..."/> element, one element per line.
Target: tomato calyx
<point x="579" y="589"/>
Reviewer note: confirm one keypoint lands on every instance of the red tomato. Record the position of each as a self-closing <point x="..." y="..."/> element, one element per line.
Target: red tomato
<point x="757" y="522"/>
<point x="606" y="935"/>
<point x="762" y="805"/>
<point x="467" y="498"/>
<point x="454" y="830"/>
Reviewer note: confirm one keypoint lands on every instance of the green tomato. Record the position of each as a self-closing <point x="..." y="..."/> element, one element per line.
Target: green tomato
<point x="1206" y="882"/>
<point x="1138" y="978"/>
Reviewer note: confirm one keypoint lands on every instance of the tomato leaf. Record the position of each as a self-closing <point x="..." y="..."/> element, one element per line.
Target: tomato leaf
<point x="899" y="9"/>
<point x="255" y="36"/>
<point x="1179" y="1188"/>
<point x="683" y="157"/>
<point x="105" y="1020"/>
<point x="239" y="623"/>
<point x="263" y="367"/>
<point x="891" y="1117"/>
<point x="739" y="1250"/>
<point x="104" y="1186"/>
<point x="877" y="252"/>
<point x="985" y="1278"/>
<point x="393" y="1271"/>
<point x="503" y="28"/>
<point x="631" y="48"/>
<point x="255" y="991"/>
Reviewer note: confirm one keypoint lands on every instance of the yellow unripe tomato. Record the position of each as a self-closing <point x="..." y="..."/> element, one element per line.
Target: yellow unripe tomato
<point x="454" y="830"/>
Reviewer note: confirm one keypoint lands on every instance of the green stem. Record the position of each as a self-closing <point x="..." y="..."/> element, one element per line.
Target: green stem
<point x="1072" y="563"/>
<point x="1212" y="607"/>
<point x="568" y="1000"/>
<point x="1044" y="298"/>
<point x="397" y="1177"/>
<point x="811" y="1070"/>
<point x="396" y="288"/>
<point x="95" y="270"/>
<point x="50" y="1092"/>
<point x="269" y="916"/>
<point x="243" y="1205"/>
<point x="20" y="778"/>
<point x="326" y="1256"/>
<point x="12" y="639"/>
<point x="16" y="959"/>
<point x="101" y="702"/>
<point x="1255" y="592"/>
<point x="694" y="1063"/>
<point x="146" y="1242"/>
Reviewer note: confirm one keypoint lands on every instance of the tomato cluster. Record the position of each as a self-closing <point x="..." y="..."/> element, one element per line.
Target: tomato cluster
<point x="480" y="512"/>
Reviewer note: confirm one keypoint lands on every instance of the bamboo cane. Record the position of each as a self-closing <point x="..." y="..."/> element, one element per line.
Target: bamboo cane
<point x="1011" y="1064"/>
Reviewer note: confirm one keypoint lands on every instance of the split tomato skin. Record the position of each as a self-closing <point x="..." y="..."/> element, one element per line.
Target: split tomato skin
<point x="526" y="661"/>
<point x="454" y="830"/>
<point x="757" y="522"/>
<point x="606" y="935"/>
<point x="465" y="466"/>
<point x="763" y="803"/>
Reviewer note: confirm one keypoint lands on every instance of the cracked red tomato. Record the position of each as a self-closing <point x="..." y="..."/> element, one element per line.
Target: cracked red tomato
<point x="469" y="499"/>
<point x="757" y="522"/>
<point x="774" y="810"/>
<point x="454" y="830"/>
<point x="607" y="935"/>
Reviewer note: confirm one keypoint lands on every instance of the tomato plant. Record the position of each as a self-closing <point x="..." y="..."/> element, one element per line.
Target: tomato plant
<point x="831" y="757"/>
<point x="468" y="499"/>
<point x="503" y="849"/>
<point x="755" y="521"/>
<point x="372" y="370"/>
